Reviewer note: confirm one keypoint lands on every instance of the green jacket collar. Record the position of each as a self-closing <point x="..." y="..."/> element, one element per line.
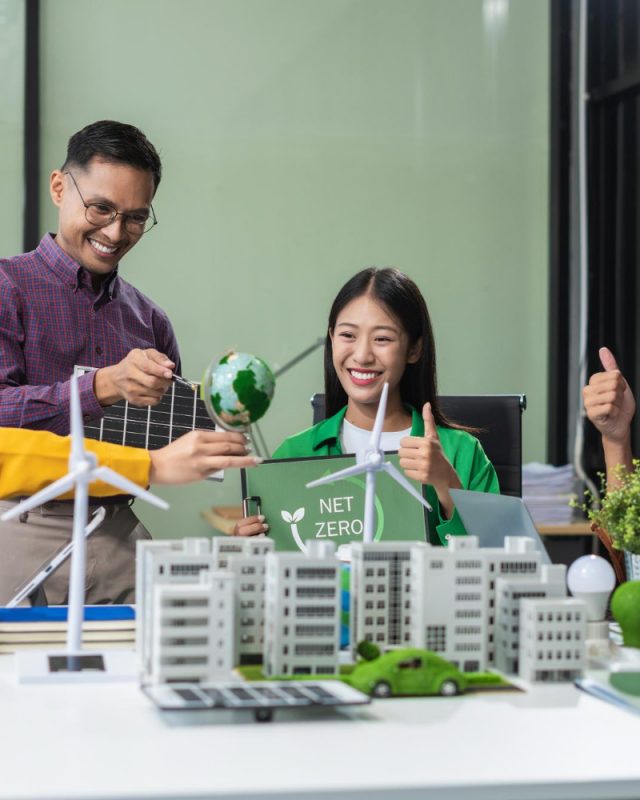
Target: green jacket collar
<point x="327" y="432"/>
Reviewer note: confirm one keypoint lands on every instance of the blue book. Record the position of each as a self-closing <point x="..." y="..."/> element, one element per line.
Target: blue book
<point x="59" y="613"/>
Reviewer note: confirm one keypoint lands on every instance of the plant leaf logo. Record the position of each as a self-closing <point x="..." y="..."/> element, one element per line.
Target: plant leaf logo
<point x="292" y="520"/>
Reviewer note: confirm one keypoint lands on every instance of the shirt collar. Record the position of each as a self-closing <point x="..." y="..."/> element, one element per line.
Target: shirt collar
<point x="328" y="431"/>
<point x="69" y="270"/>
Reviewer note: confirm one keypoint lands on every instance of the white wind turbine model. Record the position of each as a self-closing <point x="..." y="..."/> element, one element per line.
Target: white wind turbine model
<point x="373" y="463"/>
<point x="83" y="470"/>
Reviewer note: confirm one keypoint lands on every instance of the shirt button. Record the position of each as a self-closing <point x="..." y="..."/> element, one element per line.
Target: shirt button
<point x="99" y="350"/>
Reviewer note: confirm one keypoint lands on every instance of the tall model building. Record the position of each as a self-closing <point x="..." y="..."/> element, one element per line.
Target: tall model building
<point x="450" y="602"/>
<point x="518" y="558"/>
<point x="509" y="593"/>
<point x="453" y="597"/>
<point x="191" y="630"/>
<point x="552" y="638"/>
<point x="224" y="547"/>
<point x="249" y="571"/>
<point x="176" y="562"/>
<point x="302" y="612"/>
<point x="381" y="593"/>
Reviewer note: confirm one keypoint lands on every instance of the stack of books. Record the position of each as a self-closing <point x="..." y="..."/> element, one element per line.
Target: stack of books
<point x="548" y="492"/>
<point x="45" y="628"/>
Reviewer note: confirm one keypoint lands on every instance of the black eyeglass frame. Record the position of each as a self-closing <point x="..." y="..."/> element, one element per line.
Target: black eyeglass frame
<point x="126" y="216"/>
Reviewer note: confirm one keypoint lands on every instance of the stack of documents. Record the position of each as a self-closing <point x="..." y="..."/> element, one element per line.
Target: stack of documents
<point x="45" y="628"/>
<point x="548" y="492"/>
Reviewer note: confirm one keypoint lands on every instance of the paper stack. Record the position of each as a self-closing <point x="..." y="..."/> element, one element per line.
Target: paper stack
<point x="42" y="628"/>
<point x="548" y="492"/>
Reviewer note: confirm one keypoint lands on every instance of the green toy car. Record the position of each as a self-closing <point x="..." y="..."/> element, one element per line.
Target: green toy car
<point x="409" y="671"/>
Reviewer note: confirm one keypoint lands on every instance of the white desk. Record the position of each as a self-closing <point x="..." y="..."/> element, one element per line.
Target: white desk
<point x="553" y="742"/>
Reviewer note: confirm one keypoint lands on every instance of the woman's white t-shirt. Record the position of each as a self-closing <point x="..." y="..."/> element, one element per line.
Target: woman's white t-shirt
<point x="356" y="440"/>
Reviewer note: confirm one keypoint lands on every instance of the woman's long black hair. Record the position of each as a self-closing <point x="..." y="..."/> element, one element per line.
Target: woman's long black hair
<point x="401" y="297"/>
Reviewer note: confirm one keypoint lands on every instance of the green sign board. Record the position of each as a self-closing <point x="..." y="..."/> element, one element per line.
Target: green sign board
<point x="333" y="512"/>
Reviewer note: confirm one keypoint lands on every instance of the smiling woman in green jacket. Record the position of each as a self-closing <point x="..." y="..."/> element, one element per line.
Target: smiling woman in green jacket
<point x="379" y="331"/>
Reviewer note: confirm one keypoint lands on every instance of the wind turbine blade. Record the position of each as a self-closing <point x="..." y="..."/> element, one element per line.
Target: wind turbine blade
<point x="77" y="429"/>
<point x="356" y="469"/>
<point x="374" y="441"/>
<point x="50" y="492"/>
<point x="111" y="477"/>
<point x="399" y="478"/>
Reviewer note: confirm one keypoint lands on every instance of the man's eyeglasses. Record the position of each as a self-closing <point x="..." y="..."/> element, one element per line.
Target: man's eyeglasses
<point x="101" y="214"/>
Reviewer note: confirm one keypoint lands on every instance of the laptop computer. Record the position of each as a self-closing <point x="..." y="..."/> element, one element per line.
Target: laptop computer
<point x="491" y="517"/>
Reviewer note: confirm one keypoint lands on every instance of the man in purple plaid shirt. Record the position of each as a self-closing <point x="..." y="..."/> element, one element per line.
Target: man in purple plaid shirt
<point x="65" y="303"/>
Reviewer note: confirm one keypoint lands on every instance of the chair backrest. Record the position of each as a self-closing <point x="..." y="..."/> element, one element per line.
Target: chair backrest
<point x="498" y="420"/>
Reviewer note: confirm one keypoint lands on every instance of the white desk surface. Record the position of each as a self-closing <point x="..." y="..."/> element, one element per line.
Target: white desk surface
<point x="552" y="742"/>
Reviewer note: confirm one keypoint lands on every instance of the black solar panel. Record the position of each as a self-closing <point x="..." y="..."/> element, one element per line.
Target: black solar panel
<point x="181" y="410"/>
<point x="260" y="697"/>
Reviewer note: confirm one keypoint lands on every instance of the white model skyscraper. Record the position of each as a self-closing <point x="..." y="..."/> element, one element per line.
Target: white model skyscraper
<point x="302" y="612"/>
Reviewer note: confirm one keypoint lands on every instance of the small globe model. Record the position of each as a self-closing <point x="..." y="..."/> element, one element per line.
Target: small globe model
<point x="237" y="390"/>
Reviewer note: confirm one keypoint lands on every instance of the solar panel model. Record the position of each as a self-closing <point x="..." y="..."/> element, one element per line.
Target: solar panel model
<point x="261" y="697"/>
<point x="181" y="410"/>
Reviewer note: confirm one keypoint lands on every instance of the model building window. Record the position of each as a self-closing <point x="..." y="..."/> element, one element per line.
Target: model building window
<point x="369" y="604"/>
<point x="464" y="597"/>
<point x="319" y="649"/>
<point x="436" y="638"/>
<point x="316" y="572"/>
<point x="368" y="620"/>
<point x="315" y="591"/>
<point x="369" y="572"/>
<point x="466" y="613"/>
<point x="188" y="569"/>
<point x="436" y="564"/>
<point x="314" y="611"/>
<point x="248" y="570"/>
<point x="380" y="604"/>
<point x="315" y="630"/>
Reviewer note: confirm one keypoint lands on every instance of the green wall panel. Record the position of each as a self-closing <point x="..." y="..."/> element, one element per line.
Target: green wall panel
<point x="12" y="24"/>
<point x="304" y="140"/>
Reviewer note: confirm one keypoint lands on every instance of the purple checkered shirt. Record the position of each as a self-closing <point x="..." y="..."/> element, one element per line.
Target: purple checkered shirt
<point x="50" y="319"/>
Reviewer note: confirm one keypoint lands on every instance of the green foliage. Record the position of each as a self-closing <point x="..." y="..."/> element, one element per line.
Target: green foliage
<point x="368" y="650"/>
<point x="619" y="512"/>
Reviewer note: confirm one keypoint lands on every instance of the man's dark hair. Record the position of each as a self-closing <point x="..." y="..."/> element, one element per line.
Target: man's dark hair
<point x="114" y="142"/>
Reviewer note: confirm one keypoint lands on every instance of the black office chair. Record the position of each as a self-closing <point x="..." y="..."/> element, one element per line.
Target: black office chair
<point x="498" y="420"/>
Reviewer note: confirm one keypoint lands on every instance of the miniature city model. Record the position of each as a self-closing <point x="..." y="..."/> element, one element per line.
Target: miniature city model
<point x="509" y="592"/>
<point x="552" y="636"/>
<point x="462" y="602"/>
<point x="179" y="564"/>
<point x="192" y="632"/>
<point x="302" y="612"/>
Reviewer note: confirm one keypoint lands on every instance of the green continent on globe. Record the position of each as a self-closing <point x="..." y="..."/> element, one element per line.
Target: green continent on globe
<point x="252" y="398"/>
<point x="216" y="401"/>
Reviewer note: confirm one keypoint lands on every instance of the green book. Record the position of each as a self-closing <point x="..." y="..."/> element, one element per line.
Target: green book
<point x="333" y="512"/>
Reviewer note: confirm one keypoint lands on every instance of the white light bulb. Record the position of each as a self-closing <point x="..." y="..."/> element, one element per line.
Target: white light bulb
<point x="591" y="579"/>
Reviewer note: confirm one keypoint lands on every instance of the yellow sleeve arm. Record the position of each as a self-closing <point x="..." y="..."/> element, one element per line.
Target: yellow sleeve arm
<point x="30" y="460"/>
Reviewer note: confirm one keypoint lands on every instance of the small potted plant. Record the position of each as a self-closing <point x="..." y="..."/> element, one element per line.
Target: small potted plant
<point x="617" y="520"/>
